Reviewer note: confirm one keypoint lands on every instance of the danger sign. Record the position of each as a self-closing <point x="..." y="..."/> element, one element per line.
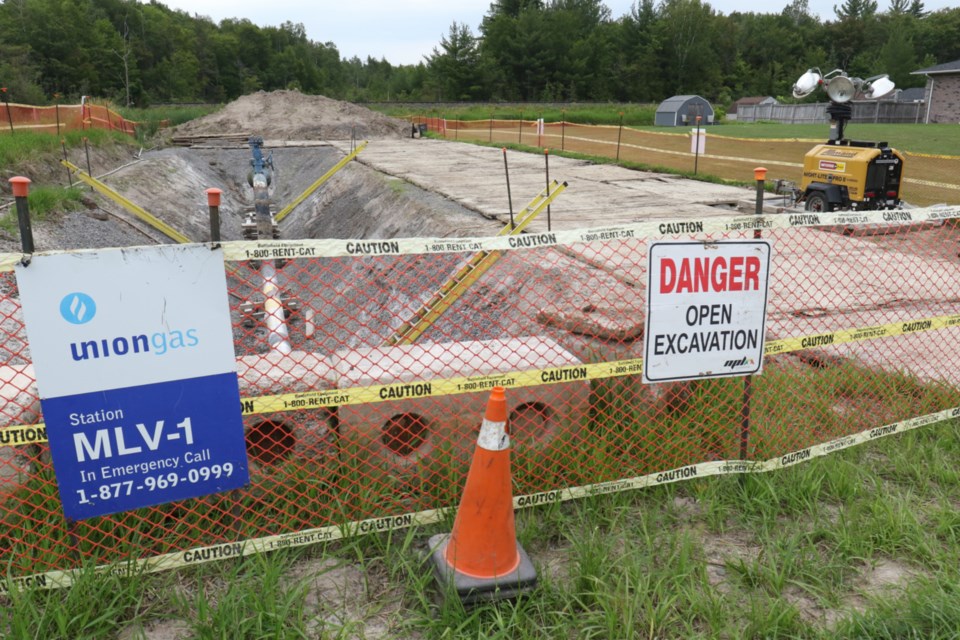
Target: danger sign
<point x="706" y="309"/>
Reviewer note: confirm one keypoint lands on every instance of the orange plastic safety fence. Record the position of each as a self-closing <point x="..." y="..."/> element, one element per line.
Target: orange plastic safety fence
<point x="543" y="321"/>
<point x="928" y="179"/>
<point x="62" y="117"/>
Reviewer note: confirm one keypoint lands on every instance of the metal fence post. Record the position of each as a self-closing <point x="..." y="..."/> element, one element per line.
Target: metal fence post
<point x="21" y="189"/>
<point x="213" y="203"/>
<point x="6" y="103"/>
<point x="760" y="173"/>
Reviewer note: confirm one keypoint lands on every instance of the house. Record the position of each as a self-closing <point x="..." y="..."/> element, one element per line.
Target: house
<point x="683" y="110"/>
<point x="752" y="101"/>
<point x="914" y="94"/>
<point x="942" y="93"/>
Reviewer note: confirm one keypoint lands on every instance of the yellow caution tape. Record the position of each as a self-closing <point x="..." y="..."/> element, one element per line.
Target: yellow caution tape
<point x="235" y="549"/>
<point x="20" y="435"/>
<point x="333" y="248"/>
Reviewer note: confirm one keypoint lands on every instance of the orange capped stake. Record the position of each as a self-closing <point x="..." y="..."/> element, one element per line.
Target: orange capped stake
<point x="213" y="204"/>
<point x="481" y="557"/>
<point x="213" y="197"/>
<point x="21" y="189"/>
<point x="21" y="186"/>
<point x="760" y="173"/>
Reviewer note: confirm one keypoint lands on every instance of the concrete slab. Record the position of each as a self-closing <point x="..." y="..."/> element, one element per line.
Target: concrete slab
<point x="21" y="405"/>
<point x="275" y="437"/>
<point x="598" y="195"/>
<point x="922" y="354"/>
<point x="814" y="271"/>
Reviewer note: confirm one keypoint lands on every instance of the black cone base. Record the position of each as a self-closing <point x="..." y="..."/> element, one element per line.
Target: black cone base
<point x="472" y="590"/>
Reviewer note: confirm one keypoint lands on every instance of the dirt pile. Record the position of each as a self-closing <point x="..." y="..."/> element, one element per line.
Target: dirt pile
<point x="291" y="115"/>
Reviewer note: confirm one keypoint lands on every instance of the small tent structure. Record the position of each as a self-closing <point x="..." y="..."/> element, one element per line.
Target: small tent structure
<point x="679" y="111"/>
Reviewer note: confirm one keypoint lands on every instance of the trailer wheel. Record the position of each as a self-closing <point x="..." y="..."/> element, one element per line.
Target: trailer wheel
<point x="817" y="201"/>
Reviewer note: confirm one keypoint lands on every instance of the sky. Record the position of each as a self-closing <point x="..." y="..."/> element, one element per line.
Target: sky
<point x="405" y="31"/>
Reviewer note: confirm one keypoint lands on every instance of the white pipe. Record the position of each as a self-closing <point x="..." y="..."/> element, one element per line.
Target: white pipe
<point x="278" y="336"/>
<point x="926" y="118"/>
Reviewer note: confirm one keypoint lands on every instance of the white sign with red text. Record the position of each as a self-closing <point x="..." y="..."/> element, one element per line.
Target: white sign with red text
<point x="706" y="309"/>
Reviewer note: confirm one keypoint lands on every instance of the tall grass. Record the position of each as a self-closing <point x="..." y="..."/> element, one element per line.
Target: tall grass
<point x="23" y="147"/>
<point x="632" y="114"/>
<point x="840" y="547"/>
<point x="43" y="201"/>
<point x="153" y="119"/>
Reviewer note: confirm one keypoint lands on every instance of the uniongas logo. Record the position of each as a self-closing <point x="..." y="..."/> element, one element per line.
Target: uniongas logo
<point x="79" y="308"/>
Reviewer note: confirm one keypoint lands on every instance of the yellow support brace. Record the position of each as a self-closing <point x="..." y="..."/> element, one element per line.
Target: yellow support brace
<point x="467" y="275"/>
<point x="319" y="183"/>
<point x="138" y="211"/>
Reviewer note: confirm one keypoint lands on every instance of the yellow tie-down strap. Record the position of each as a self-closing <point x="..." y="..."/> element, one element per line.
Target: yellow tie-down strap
<point x="35" y="434"/>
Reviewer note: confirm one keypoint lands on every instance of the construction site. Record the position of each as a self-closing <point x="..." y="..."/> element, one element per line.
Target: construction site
<point x="365" y="363"/>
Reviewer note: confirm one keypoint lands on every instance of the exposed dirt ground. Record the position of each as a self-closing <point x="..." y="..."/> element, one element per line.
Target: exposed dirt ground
<point x="291" y="115"/>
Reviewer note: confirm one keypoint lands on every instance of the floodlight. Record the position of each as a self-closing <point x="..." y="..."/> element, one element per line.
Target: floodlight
<point x="841" y="88"/>
<point x="878" y="86"/>
<point x="807" y="83"/>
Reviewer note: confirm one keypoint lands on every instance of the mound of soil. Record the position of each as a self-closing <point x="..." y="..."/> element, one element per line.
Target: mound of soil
<point x="291" y="115"/>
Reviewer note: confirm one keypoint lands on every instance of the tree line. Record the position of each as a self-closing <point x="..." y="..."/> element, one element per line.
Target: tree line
<point x="524" y="50"/>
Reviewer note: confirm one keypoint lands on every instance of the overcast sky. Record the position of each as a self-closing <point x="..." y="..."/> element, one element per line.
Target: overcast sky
<point x="404" y="31"/>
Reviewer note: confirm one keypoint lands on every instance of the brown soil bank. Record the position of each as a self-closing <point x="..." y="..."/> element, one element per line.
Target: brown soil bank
<point x="291" y="115"/>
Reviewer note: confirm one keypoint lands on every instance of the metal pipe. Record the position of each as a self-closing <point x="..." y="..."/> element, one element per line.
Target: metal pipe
<point x="63" y="145"/>
<point x="506" y="170"/>
<point x="760" y="173"/>
<point x="619" y="135"/>
<point x="563" y="130"/>
<point x="546" y="162"/>
<point x="86" y="149"/>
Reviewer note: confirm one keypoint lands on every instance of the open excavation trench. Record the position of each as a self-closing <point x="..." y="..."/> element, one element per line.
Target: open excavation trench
<point x="358" y="301"/>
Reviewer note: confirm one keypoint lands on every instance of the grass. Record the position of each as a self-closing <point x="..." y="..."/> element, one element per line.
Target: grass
<point x="43" y="201"/>
<point x="788" y="554"/>
<point x="917" y="138"/>
<point x="939" y="139"/>
<point x="26" y="147"/>
<point x="150" y="121"/>
<point x="863" y="543"/>
<point x="610" y="114"/>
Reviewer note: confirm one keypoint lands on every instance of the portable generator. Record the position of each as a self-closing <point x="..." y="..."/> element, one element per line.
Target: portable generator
<point x="848" y="174"/>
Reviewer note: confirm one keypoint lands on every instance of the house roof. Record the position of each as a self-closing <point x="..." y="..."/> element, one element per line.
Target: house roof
<point x="752" y="100"/>
<point x="748" y="101"/>
<point x="946" y="67"/>
<point x="676" y="102"/>
<point x="914" y="94"/>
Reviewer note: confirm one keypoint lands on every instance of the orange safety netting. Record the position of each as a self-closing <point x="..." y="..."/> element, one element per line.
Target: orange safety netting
<point x="928" y="179"/>
<point x="61" y="117"/>
<point x="357" y="426"/>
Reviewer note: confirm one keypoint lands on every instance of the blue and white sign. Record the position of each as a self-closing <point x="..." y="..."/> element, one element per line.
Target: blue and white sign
<point x="136" y="370"/>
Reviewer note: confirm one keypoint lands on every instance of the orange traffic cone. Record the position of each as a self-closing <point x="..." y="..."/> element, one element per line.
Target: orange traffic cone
<point x="481" y="557"/>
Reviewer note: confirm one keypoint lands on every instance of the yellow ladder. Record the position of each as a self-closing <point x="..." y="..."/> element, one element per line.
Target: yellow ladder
<point x="136" y="210"/>
<point x="469" y="273"/>
<point x="319" y="183"/>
